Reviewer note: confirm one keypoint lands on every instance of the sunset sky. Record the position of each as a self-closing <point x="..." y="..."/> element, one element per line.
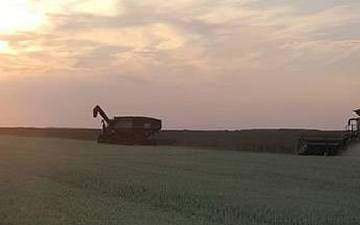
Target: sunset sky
<point x="204" y="64"/>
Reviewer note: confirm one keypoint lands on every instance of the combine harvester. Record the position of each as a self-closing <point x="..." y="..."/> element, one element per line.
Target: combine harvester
<point x="331" y="145"/>
<point x="127" y="130"/>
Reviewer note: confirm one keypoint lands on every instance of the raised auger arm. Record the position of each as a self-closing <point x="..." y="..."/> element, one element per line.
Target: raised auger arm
<point x="97" y="110"/>
<point x="357" y="111"/>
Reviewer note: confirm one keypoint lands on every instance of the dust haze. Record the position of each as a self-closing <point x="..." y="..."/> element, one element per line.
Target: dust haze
<point x="353" y="151"/>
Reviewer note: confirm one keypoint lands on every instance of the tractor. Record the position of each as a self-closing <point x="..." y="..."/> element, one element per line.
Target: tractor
<point x="127" y="130"/>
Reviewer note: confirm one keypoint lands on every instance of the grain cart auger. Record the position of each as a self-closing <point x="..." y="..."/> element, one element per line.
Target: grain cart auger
<point x="334" y="144"/>
<point x="127" y="130"/>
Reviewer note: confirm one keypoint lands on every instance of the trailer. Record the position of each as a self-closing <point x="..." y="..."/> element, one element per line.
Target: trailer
<point x="127" y="130"/>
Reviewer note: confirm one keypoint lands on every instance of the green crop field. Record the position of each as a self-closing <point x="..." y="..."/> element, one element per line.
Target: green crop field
<point x="265" y="140"/>
<point x="58" y="181"/>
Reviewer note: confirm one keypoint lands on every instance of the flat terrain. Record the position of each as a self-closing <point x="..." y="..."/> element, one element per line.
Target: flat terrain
<point x="55" y="181"/>
<point x="261" y="140"/>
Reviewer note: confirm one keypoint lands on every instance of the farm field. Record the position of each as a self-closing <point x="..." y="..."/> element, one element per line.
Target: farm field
<point x="59" y="181"/>
<point x="262" y="140"/>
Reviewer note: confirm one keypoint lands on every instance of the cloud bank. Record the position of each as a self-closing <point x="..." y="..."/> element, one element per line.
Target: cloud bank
<point x="204" y="64"/>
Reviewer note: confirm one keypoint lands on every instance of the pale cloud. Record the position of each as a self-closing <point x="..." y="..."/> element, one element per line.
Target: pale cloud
<point x="4" y="47"/>
<point x="158" y="36"/>
<point x="243" y="55"/>
<point x="241" y="13"/>
<point x="219" y="36"/>
<point x="280" y="38"/>
<point x="70" y="7"/>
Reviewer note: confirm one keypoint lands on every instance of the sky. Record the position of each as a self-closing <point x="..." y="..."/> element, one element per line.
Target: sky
<point x="205" y="64"/>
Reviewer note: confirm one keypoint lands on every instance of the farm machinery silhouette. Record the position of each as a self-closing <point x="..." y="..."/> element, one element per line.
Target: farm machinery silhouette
<point x="127" y="130"/>
<point x="331" y="145"/>
<point x="139" y="130"/>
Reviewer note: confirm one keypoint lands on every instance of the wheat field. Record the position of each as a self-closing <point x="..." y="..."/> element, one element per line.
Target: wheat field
<point x="59" y="181"/>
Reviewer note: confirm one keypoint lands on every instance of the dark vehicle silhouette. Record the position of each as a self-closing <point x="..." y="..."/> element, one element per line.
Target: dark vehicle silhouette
<point x="127" y="130"/>
<point x="331" y="145"/>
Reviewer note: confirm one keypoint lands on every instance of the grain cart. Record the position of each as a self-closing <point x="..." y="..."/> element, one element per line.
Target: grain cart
<point x="334" y="144"/>
<point x="127" y="130"/>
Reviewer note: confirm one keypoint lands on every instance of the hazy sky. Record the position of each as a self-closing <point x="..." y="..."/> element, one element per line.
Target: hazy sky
<point x="204" y="64"/>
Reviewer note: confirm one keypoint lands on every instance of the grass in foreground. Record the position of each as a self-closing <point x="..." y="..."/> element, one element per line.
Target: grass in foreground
<point x="54" y="181"/>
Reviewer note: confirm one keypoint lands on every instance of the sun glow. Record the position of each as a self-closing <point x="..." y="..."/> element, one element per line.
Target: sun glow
<point x="3" y="46"/>
<point x="18" y="15"/>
